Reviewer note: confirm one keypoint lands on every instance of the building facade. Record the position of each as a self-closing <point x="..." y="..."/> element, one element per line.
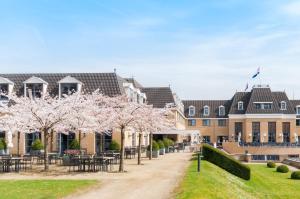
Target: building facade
<point x="110" y="84"/>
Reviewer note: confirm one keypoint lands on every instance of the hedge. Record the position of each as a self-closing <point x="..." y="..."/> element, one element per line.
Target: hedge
<point x="295" y="175"/>
<point x="226" y="162"/>
<point x="282" y="169"/>
<point x="271" y="164"/>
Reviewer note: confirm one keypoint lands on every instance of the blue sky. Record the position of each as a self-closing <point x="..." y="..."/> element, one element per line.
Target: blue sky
<point x="203" y="49"/>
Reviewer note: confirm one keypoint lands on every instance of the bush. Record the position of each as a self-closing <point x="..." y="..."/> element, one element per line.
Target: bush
<point x="166" y="142"/>
<point x="2" y="144"/>
<point x="74" y="144"/>
<point x="282" y="169"/>
<point x="295" y="175"/>
<point x="226" y="162"/>
<point x="161" y="144"/>
<point x="155" y="146"/>
<point x="271" y="164"/>
<point x="114" y="146"/>
<point x="37" y="145"/>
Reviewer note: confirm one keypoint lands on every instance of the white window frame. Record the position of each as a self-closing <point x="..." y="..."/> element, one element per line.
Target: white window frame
<point x="222" y="108"/>
<point x="204" y="110"/>
<point x="240" y="103"/>
<point x="192" y="110"/>
<point x="298" y="107"/>
<point x="281" y="105"/>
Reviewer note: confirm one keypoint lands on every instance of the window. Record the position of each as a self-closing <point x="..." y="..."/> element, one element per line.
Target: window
<point x="192" y="111"/>
<point x="221" y="110"/>
<point x="206" y="111"/>
<point x="34" y="90"/>
<point x="286" y="129"/>
<point x="272" y="132"/>
<point x="298" y="122"/>
<point x="191" y="122"/>
<point x="206" y="122"/>
<point x="256" y="132"/>
<point x="68" y="89"/>
<point x="283" y="105"/>
<point x="4" y="88"/>
<point x="263" y="106"/>
<point x="221" y="122"/>
<point x="240" y="106"/>
<point x="206" y="139"/>
<point x="29" y="139"/>
<point x="298" y="110"/>
<point x="238" y="130"/>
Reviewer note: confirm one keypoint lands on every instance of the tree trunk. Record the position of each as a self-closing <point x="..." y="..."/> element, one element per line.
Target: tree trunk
<point x="51" y="140"/>
<point x="18" y="147"/>
<point x="79" y="140"/>
<point x="121" y="166"/>
<point x="46" y="160"/>
<point x="151" y="146"/>
<point x="140" y="149"/>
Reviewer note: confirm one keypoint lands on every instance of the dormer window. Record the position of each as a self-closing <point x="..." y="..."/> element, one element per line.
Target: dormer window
<point x="221" y="110"/>
<point x="283" y="105"/>
<point x="240" y="105"/>
<point x="192" y="111"/>
<point x="35" y="87"/>
<point x="6" y="86"/>
<point x="298" y="110"/>
<point x="206" y="111"/>
<point x="68" y="86"/>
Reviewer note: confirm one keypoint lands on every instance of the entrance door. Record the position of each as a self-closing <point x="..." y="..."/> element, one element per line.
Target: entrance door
<point x="238" y="129"/>
<point x="103" y="141"/>
<point x="29" y="139"/>
<point x="286" y="132"/>
<point x="65" y="141"/>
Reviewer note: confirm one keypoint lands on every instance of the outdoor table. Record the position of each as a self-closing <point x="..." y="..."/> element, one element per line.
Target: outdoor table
<point x="110" y="161"/>
<point x="15" y="162"/>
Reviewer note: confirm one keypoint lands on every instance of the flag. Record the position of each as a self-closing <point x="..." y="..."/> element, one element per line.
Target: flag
<point x="247" y="86"/>
<point x="257" y="73"/>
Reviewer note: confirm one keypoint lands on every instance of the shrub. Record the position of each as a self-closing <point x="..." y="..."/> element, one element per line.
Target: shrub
<point x="166" y="142"/>
<point x="74" y="144"/>
<point x="295" y="175"/>
<point x="114" y="145"/>
<point x="155" y="146"/>
<point x="161" y="144"/>
<point x="37" y="145"/>
<point x="271" y="164"/>
<point x="282" y="169"/>
<point x="2" y="144"/>
<point x="226" y="162"/>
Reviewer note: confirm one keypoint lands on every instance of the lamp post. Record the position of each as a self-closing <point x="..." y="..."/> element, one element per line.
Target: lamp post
<point x="199" y="156"/>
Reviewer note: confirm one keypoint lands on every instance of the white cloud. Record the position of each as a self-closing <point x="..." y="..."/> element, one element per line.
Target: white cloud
<point x="292" y="8"/>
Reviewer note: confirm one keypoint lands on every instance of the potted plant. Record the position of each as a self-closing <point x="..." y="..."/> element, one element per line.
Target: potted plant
<point x="74" y="145"/>
<point x="155" y="150"/>
<point x="114" y="146"/>
<point x="161" y="147"/>
<point x="2" y="146"/>
<point x="37" y="147"/>
<point x="167" y="143"/>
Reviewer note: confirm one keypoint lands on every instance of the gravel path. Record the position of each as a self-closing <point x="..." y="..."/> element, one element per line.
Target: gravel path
<point x="154" y="179"/>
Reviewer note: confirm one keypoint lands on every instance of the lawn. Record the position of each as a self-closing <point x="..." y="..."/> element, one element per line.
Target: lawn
<point x="22" y="189"/>
<point x="213" y="183"/>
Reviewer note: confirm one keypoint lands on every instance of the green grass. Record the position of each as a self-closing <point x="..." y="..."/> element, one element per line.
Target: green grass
<point x="38" y="189"/>
<point x="214" y="183"/>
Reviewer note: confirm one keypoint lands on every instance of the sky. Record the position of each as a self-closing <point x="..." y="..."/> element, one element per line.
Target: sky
<point x="202" y="49"/>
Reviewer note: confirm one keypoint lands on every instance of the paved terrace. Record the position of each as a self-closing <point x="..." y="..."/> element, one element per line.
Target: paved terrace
<point x="154" y="179"/>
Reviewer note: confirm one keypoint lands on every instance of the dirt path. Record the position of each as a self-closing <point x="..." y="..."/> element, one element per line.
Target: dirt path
<point x="155" y="179"/>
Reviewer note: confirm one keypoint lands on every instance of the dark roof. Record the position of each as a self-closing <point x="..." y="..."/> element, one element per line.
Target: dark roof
<point x="158" y="96"/>
<point x="135" y="83"/>
<point x="213" y="105"/>
<point x="260" y="94"/>
<point x="108" y="83"/>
